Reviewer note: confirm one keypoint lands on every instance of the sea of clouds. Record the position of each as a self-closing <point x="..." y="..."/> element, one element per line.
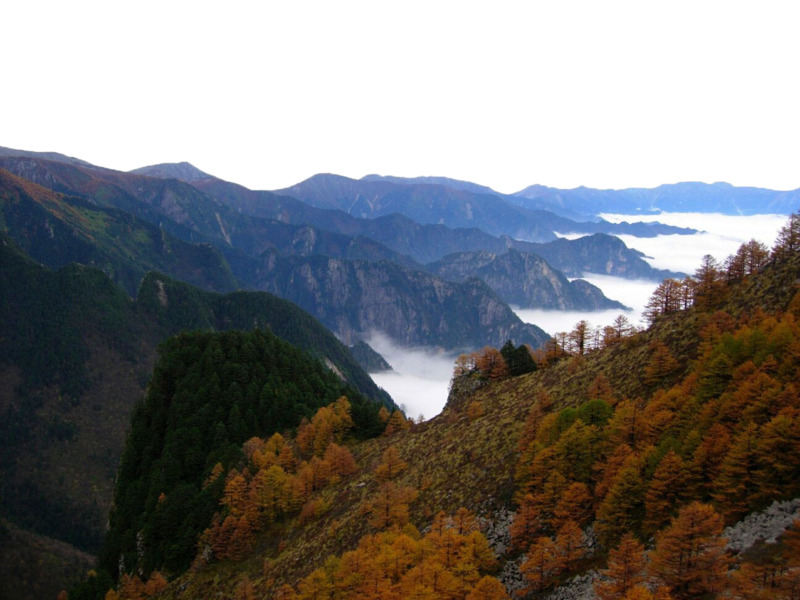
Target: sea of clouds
<point x="421" y="376"/>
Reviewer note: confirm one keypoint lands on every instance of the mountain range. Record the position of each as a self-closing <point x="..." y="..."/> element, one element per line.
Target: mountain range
<point x="101" y="267"/>
<point x="593" y="473"/>
<point x="582" y="202"/>
<point x="234" y="227"/>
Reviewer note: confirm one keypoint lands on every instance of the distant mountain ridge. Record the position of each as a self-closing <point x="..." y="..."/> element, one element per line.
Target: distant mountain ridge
<point x="182" y="171"/>
<point x="679" y="197"/>
<point x="71" y="228"/>
<point x="458" y="207"/>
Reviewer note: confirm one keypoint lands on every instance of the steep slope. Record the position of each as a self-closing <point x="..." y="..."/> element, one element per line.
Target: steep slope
<point x="56" y="230"/>
<point x="661" y="437"/>
<point x="75" y="356"/>
<point x="354" y="298"/>
<point x="523" y="280"/>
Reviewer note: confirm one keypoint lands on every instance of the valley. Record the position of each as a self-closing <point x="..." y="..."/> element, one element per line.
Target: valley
<point x="102" y="269"/>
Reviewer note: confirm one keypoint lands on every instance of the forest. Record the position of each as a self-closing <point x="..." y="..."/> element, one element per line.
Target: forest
<point x="631" y="479"/>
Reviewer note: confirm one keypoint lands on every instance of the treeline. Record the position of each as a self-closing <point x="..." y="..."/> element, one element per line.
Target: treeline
<point x="210" y="392"/>
<point x="710" y="286"/>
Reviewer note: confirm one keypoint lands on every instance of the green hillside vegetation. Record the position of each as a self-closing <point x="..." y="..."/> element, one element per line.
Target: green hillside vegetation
<point x="656" y="439"/>
<point x="208" y="395"/>
<point x="56" y="230"/>
<point x="75" y="357"/>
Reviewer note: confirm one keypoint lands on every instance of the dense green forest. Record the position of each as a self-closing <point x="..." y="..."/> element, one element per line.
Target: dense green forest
<point x="208" y="395"/>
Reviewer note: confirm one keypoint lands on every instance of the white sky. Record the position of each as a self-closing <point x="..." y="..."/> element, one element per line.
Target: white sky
<point x="605" y="94"/>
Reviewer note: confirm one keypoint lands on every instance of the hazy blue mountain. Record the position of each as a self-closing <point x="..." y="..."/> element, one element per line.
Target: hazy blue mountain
<point x="242" y="239"/>
<point x="679" y="197"/>
<point x="598" y="253"/>
<point x="453" y="207"/>
<point x="54" y="156"/>
<point x="455" y="184"/>
<point x="182" y="171"/>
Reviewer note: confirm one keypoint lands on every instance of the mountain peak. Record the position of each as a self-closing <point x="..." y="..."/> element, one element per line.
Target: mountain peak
<point x="447" y="182"/>
<point x="183" y="171"/>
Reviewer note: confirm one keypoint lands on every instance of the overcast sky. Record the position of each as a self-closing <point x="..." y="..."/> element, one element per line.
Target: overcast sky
<point x="598" y="93"/>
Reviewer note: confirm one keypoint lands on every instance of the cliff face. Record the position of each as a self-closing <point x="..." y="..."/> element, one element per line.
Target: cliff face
<point x="354" y="298"/>
<point x="524" y="280"/>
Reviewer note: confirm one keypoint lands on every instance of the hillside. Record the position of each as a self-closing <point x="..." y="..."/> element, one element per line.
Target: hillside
<point x="76" y="354"/>
<point x="414" y="308"/>
<point x="524" y="280"/>
<point x="128" y="224"/>
<point x="621" y="458"/>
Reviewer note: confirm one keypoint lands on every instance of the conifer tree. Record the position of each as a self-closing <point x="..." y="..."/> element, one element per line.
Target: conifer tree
<point x="541" y="565"/>
<point x="666" y="489"/>
<point x="689" y="556"/>
<point x="626" y="564"/>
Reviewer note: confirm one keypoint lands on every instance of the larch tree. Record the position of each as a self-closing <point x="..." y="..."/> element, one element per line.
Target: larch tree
<point x="575" y="505"/>
<point x="570" y="546"/>
<point x="391" y="465"/>
<point x="689" y="556"/>
<point x="541" y="565"/>
<point x="488" y="588"/>
<point x="526" y="524"/>
<point x="390" y="505"/>
<point x="661" y="364"/>
<point x="736" y="483"/>
<point x="665" y="492"/>
<point x="626" y="564"/>
<point x="621" y="509"/>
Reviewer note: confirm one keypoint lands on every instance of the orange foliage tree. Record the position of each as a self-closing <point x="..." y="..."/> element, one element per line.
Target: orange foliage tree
<point x="689" y="556"/>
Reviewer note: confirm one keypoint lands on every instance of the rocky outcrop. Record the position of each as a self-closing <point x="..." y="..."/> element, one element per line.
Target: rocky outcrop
<point x="355" y="298"/>
<point x="766" y="526"/>
<point x="524" y="280"/>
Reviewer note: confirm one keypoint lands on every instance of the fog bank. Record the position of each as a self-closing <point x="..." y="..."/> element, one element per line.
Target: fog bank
<point x="421" y="376"/>
<point x="420" y="379"/>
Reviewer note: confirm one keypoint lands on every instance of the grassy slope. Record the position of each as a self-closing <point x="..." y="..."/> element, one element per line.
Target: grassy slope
<point x="457" y="462"/>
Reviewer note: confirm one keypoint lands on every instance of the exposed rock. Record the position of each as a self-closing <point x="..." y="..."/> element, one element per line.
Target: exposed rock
<point x="766" y="525"/>
<point x="355" y="298"/>
<point x="523" y="279"/>
<point x="580" y="587"/>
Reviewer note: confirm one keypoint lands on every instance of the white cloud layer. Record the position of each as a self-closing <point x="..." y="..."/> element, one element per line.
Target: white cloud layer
<point x="422" y="376"/>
